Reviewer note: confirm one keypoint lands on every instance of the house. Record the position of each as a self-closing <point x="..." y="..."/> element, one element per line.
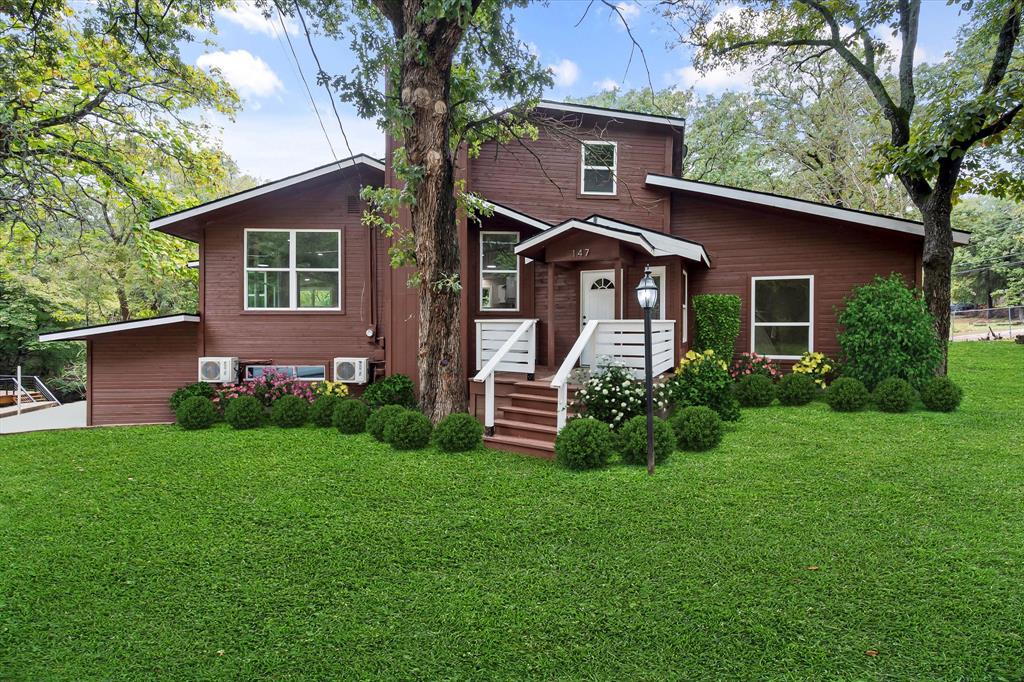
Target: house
<point x="289" y="278"/>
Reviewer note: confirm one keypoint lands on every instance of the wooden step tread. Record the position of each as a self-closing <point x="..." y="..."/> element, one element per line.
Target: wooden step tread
<point x="535" y="397"/>
<point x="526" y="446"/>
<point x="530" y="412"/>
<point x="526" y="426"/>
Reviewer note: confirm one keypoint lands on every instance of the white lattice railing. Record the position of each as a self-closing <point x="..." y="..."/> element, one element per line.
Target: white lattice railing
<point x="503" y="346"/>
<point x="622" y="342"/>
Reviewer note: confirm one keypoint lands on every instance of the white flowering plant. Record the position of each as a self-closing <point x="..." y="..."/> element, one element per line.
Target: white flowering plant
<point x="612" y="395"/>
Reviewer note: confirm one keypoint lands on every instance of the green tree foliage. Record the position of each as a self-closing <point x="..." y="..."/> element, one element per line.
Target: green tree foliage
<point x="990" y="270"/>
<point x="23" y="317"/>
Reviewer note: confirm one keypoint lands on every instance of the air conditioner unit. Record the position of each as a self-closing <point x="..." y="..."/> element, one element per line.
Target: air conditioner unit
<point x="218" y="370"/>
<point x="352" y="370"/>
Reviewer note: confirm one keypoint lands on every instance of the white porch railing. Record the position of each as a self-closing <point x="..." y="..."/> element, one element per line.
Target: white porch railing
<point x="622" y="341"/>
<point x="503" y="346"/>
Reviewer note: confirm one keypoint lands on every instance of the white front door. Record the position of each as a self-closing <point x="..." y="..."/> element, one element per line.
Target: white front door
<point x="597" y="302"/>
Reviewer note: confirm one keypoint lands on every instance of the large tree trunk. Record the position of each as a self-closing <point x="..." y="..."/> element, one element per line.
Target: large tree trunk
<point x="937" y="259"/>
<point x="424" y="91"/>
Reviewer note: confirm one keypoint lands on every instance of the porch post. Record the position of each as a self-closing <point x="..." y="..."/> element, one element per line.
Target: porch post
<point x="551" y="316"/>
<point x="618" y="289"/>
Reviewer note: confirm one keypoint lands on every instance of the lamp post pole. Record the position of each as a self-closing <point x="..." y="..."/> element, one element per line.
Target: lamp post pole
<point x="647" y="297"/>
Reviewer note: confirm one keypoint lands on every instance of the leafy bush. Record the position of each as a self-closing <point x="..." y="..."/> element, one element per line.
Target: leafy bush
<point x="458" y="432"/>
<point x="939" y="394"/>
<point x="337" y="389"/>
<point x="894" y="395"/>
<point x="752" y="363"/>
<point x="396" y="389"/>
<point x="379" y="419"/>
<point x="697" y="428"/>
<point x="818" y="366"/>
<point x="846" y="394"/>
<point x="797" y="389"/>
<point x="717" y="320"/>
<point x="289" y="411"/>
<point x="321" y="412"/>
<point x="408" y="430"/>
<point x="267" y="389"/>
<point x="755" y="390"/>
<point x="612" y="395"/>
<point x="350" y="416"/>
<point x="703" y="379"/>
<point x="633" y="440"/>
<point x="244" y="412"/>
<point x="200" y="389"/>
<point x="195" y="412"/>
<point x="888" y="332"/>
<point x="583" y="443"/>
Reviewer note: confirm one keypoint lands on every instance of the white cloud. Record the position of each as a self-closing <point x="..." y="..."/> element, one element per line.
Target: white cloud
<point x="894" y="45"/>
<point x="247" y="73"/>
<point x="715" y="80"/>
<point x="251" y="18"/>
<point x="607" y="85"/>
<point x="565" y="72"/>
<point x="629" y="10"/>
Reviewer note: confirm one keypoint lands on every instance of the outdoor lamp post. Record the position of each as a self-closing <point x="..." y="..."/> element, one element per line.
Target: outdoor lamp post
<point x="647" y="296"/>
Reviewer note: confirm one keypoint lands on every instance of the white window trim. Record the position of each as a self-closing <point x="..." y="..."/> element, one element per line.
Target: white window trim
<point x="686" y="308"/>
<point x="292" y="270"/>
<point x="246" y="376"/>
<point x="661" y="271"/>
<point x="614" y="168"/>
<point x="480" y="283"/>
<point x="810" y="314"/>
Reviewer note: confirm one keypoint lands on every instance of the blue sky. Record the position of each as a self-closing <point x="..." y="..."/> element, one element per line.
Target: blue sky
<point x="277" y="132"/>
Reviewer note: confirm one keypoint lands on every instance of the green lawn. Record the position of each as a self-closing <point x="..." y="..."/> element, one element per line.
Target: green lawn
<point x="805" y="541"/>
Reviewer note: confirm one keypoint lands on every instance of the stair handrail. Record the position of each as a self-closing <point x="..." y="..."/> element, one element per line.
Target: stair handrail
<point x="19" y="387"/>
<point x="486" y="373"/>
<point x="561" y="378"/>
<point x="46" y="392"/>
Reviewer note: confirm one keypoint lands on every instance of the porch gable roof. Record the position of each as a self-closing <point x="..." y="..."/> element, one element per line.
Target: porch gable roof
<point x="653" y="243"/>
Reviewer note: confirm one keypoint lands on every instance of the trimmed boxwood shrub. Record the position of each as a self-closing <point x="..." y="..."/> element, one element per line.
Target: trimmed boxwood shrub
<point x="894" y="395"/>
<point x="717" y="323"/>
<point x="846" y="394"/>
<point x="940" y="394"/>
<point x="200" y="388"/>
<point x="408" y="430"/>
<point x="755" y="390"/>
<point x="633" y="440"/>
<point x="289" y="411"/>
<point x="244" y="412"/>
<point x="396" y="389"/>
<point x="458" y="432"/>
<point x="350" y="416"/>
<point x="583" y="443"/>
<point x="796" y="389"/>
<point x="196" y="412"/>
<point x="379" y="419"/>
<point x="697" y="428"/>
<point x="321" y="412"/>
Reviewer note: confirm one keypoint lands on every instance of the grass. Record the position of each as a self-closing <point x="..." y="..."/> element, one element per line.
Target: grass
<point x="805" y="541"/>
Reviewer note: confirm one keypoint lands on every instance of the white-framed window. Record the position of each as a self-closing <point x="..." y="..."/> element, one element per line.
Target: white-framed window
<point x="686" y="305"/>
<point x="298" y="372"/>
<point x="499" y="271"/>
<point x="292" y="269"/>
<point x="782" y="315"/>
<point x="599" y="161"/>
<point x="658" y="274"/>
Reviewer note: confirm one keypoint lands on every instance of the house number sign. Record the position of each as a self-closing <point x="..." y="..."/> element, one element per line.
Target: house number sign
<point x="580" y="253"/>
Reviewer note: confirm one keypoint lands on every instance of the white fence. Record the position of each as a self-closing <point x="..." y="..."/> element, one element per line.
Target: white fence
<point x="521" y="356"/>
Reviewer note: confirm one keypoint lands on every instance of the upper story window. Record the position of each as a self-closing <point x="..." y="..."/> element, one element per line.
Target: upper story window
<point x="292" y="269"/>
<point x="600" y="161"/>
<point x="782" y="312"/>
<point x="499" y="271"/>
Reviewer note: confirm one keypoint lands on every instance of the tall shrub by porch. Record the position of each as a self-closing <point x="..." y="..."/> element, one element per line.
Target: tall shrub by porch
<point x="717" y="323"/>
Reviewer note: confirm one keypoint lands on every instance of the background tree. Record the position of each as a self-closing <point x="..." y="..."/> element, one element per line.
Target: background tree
<point x="936" y="117"/>
<point x="990" y="270"/>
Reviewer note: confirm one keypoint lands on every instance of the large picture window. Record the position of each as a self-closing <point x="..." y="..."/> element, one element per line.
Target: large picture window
<point x="600" y="160"/>
<point x="292" y="269"/>
<point x="782" y="313"/>
<point x="499" y="271"/>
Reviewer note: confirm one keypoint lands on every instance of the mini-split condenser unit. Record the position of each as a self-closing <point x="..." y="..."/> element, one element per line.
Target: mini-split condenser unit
<point x="218" y="370"/>
<point x="352" y="370"/>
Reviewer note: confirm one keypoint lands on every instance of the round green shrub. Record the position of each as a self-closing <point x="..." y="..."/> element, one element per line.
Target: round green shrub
<point x="894" y="395"/>
<point x="396" y="389"/>
<point x="244" y="412"/>
<point x="796" y="389"/>
<point x="633" y="440"/>
<point x="583" y="443"/>
<point x="726" y="405"/>
<point x="196" y="412"/>
<point x="289" y="411"/>
<point x="847" y="394"/>
<point x="350" y="416"/>
<point x="200" y="388"/>
<point x="755" y="390"/>
<point x="321" y="412"/>
<point x="409" y="430"/>
<point x="458" y="432"/>
<point x="939" y="394"/>
<point x="697" y="428"/>
<point x="379" y="419"/>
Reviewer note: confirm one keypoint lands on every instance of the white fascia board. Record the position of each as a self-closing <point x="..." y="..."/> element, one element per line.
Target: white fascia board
<point x="788" y="204"/>
<point x="117" y="327"/>
<point x="516" y="215"/>
<point x="662" y="242"/>
<point x="265" y="189"/>
<point x="672" y="121"/>
<point x="632" y="238"/>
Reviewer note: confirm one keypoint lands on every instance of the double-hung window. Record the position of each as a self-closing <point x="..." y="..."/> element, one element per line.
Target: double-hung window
<point x="782" y="313"/>
<point x="292" y="269"/>
<point x="499" y="271"/>
<point x="599" y="162"/>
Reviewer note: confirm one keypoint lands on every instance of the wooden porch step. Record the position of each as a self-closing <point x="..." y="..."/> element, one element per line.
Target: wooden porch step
<point x="534" y="402"/>
<point x="542" y="388"/>
<point x="524" y="446"/>
<point x="529" y="414"/>
<point x="533" y="430"/>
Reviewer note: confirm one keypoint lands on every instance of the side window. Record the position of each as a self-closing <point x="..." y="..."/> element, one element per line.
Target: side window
<point x="599" y="164"/>
<point x="499" y="271"/>
<point x="782" y="314"/>
<point x="292" y="269"/>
